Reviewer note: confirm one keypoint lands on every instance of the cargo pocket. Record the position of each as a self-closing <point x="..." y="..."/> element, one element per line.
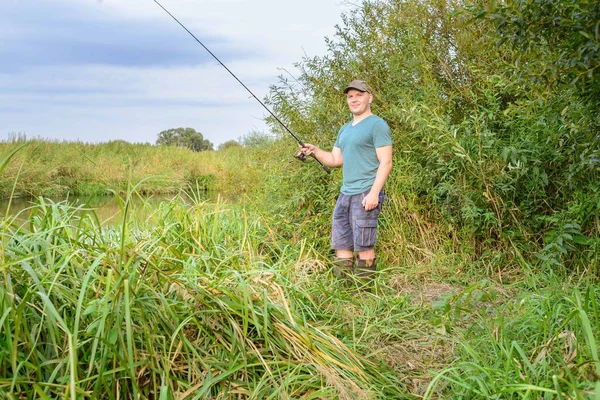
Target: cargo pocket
<point x="366" y="231"/>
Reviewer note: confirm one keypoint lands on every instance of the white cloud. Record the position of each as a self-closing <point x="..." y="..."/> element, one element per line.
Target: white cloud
<point x="58" y="89"/>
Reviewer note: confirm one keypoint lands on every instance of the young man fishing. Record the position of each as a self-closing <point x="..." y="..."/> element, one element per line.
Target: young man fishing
<point x="364" y="149"/>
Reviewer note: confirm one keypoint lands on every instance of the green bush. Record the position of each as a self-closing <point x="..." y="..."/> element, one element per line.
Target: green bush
<point x="485" y="146"/>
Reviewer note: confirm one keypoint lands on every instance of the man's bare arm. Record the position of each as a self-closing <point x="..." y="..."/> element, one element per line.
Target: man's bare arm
<point x="331" y="158"/>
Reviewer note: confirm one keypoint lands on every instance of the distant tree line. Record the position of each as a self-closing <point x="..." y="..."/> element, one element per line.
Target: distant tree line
<point x="190" y="138"/>
<point x="253" y="139"/>
<point x="184" y="137"/>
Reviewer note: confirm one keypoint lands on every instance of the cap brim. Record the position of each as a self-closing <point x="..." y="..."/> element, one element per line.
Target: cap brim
<point x="349" y="88"/>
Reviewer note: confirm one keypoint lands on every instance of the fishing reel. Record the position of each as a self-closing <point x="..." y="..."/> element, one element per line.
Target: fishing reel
<point x="300" y="155"/>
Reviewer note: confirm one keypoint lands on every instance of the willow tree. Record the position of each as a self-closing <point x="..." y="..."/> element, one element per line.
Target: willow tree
<point x="482" y="140"/>
<point x="184" y="137"/>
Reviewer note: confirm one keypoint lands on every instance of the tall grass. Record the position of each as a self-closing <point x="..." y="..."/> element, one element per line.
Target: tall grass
<point x="536" y="345"/>
<point x="53" y="168"/>
<point x="207" y="300"/>
<point x="197" y="302"/>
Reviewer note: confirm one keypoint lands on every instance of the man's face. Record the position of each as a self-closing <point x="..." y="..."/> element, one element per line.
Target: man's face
<point x="358" y="102"/>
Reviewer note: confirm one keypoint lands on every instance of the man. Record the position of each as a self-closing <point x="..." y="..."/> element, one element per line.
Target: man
<point x="364" y="149"/>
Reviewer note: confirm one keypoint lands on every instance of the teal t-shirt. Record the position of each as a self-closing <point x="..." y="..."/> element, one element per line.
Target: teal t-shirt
<point x="358" y="144"/>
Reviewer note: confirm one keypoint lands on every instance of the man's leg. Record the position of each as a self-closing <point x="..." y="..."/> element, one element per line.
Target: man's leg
<point x="341" y="239"/>
<point x="366" y="254"/>
<point x="344" y="254"/>
<point x="365" y="234"/>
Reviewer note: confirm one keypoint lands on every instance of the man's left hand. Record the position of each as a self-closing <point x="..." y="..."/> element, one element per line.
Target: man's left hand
<point x="370" y="201"/>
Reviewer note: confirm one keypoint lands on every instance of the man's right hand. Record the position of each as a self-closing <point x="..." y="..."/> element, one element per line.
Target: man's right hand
<point x="309" y="149"/>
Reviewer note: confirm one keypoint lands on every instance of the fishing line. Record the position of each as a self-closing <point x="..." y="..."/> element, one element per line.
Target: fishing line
<point x="300" y="142"/>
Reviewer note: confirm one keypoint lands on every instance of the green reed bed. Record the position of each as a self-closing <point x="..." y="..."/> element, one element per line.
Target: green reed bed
<point x="523" y="344"/>
<point x="204" y="300"/>
<point x="55" y="168"/>
<point x="192" y="303"/>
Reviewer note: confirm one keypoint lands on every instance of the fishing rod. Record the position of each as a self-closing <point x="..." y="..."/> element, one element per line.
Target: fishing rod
<point x="300" y="155"/>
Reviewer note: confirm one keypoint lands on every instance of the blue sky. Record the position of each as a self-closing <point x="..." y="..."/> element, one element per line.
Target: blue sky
<point x="98" y="70"/>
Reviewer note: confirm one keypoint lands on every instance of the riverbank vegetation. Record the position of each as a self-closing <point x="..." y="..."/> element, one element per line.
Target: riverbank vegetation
<point x="56" y="168"/>
<point x="489" y="241"/>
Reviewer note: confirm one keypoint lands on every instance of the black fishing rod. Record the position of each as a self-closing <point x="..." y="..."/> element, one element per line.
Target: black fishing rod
<point x="299" y="154"/>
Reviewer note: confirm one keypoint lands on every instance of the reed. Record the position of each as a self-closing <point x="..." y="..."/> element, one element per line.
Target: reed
<point x="55" y="169"/>
<point x="192" y="303"/>
<point x="203" y="300"/>
<point x="527" y="345"/>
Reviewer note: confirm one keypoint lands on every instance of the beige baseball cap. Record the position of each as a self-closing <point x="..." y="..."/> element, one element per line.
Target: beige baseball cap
<point x="358" y="85"/>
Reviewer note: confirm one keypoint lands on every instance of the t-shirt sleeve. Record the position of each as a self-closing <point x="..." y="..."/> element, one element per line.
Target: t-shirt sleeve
<point x="381" y="134"/>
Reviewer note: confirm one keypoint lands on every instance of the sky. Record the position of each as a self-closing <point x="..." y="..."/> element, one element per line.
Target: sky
<point x="100" y="70"/>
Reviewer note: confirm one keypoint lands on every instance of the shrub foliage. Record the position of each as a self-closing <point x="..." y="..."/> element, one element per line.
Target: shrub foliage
<point x="493" y="112"/>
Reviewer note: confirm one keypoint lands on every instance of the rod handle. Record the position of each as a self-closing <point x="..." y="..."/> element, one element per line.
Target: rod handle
<point x="322" y="165"/>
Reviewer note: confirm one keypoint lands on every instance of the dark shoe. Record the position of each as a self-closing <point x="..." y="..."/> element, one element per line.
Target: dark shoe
<point x="365" y="270"/>
<point x="343" y="268"/>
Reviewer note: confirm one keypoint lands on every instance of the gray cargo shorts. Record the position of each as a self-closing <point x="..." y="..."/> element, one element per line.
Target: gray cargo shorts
<point x="353" y="227"/>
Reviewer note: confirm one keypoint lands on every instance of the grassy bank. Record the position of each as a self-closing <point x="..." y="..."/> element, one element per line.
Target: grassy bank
<point x="207" y="301"/>
<point x="54" y="169"/>
<point x="199" y="301"/>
